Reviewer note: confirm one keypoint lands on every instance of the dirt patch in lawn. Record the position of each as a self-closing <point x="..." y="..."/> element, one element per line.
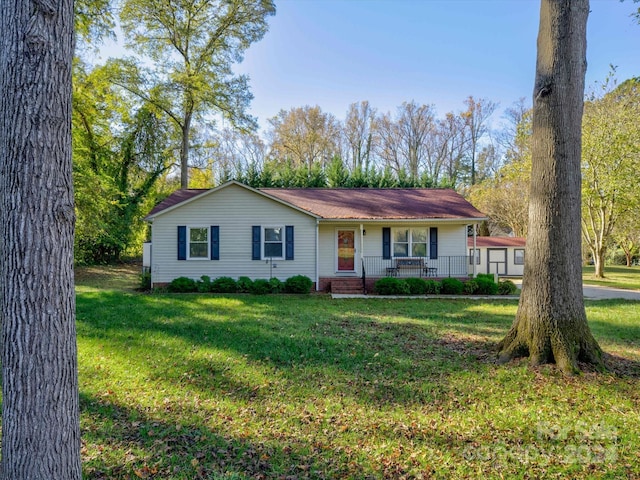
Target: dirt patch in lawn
<point x="125" y="276"/>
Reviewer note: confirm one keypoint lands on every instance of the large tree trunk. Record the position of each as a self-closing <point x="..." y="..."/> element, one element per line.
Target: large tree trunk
<point x="551" y="325"/>
<point x="40" y="414"/>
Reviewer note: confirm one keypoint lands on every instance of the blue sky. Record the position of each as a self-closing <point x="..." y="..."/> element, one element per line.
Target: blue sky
<point x="335" y="52"/>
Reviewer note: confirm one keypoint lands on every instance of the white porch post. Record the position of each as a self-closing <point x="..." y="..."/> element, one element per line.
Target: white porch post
<point x="361" y="247"/>
<point x="317" y="254"/>
<point x="474" y="250"/>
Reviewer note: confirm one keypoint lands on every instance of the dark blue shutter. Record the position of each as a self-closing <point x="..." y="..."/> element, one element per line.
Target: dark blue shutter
<point x="289" y="242"/>
<point x="386" y="242"/>
<point x="182" y="242"/>
<point x="215" y="242"/>
<point x="433" y="243"/>
<point x="255" y="242"/>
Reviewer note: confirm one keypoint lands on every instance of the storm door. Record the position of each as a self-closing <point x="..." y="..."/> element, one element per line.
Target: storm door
<point x="346" y="243"/>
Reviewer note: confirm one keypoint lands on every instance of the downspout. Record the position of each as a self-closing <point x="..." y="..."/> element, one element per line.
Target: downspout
<point x="151" y="258"/>
<point x="151" y="266"/>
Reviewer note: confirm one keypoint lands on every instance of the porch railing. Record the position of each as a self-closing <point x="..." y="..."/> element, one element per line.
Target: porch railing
<point x="443" y="266"/>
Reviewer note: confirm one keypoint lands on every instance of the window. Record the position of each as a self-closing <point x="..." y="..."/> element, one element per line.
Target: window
<point x="410" y="242"/>
<point x="198" y="243"/>
<point x="471" y="256"/>
<point x="273" y="242"/>
<point x="518" y="256"/>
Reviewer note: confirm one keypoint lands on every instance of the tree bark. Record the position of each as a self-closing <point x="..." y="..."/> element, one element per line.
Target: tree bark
<point x="598" y="260"/>
<point x="551" y="324"/>
<point x="40" y="414"/>
<point x="184" y="150"/>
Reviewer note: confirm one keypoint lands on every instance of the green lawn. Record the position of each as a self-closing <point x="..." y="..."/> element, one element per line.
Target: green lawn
<point x="616" y="276"/>
<point x="203" y="386"/>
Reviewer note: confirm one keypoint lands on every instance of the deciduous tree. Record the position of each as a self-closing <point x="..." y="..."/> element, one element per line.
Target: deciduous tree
<point x="404" y="138"/>
<point x="551" y="323"/>
<point x="120" y="153"/>
<point x="304" y="136"/>
<point x="610" y="165"/>
<point x="40" y="414"/>
<point x="476" y="117"/>
<point x="192" y="45"/>
<point x="360" y="134"/>
<point x="505" y="196"/>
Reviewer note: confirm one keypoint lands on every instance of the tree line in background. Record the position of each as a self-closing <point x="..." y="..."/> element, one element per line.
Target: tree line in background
<point x="610" y="180"/>
<point x="147" y="124"/>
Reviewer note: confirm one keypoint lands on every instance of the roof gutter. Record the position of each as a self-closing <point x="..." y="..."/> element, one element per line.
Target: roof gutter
<point x="466" y="220"/>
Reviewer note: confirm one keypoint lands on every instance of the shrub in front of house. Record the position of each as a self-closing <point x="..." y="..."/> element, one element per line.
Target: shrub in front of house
<point x="204" y="284"/>
<point x="277" y="286"/>
<point x="391" y="286"/>
<point x="224" y="285"/>
<point x="488" y="276"/>
<point x="182" y="285"/>
<point x="244" y="284"/>
<point x="451" y="286"/>
<point x="470" y="287"/>
<point x="432" y="287"/>
<point x="417" y="286"/>
<point x="260" y="286"/>
<point x="298" y="284"/>
<point x="486" y="285"/>
<point x="507" y="287"/>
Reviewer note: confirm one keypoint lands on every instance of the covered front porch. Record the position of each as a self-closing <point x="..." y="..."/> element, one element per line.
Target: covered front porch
<point x="372" y="268"/>
<point x="353" y="256"/>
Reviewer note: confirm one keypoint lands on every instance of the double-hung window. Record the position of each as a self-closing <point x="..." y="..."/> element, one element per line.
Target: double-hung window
<point x="518" y="256"/>
<point x="410" y="242"/>
<point x="198" y="243"/>
<point x="273" y="246"/>
<point x="477" y="256"/>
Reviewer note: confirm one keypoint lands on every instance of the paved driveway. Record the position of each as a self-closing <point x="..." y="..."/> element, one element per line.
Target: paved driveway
<point x="597" y="292"/>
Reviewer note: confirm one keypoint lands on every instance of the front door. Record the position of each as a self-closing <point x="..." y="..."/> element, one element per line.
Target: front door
<point x="346" y="250"/>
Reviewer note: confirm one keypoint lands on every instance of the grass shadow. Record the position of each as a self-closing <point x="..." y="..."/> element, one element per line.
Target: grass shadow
<point x="124" y="443"/>
<point x="386" y="356"/>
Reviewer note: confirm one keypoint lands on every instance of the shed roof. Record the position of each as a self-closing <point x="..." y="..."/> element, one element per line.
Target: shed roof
<point x="497" y="241"/>
<point x="176" y="198"/>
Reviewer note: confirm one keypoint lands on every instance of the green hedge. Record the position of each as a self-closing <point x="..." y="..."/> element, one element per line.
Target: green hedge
<point x="298" y="284"/>
<point x="451" y="286"/>
<point x="483" y="284"/>
<point x="391" y="286"/>
<point x="295" y="284"/>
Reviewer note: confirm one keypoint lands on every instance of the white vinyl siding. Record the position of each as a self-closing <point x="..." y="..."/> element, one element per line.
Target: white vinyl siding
<point x="234" y="209"/>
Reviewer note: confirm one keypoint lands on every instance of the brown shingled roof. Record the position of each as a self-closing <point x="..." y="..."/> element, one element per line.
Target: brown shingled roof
<point x="175" y="198"/>
<point x="377" y="203"/>
<point x="497" y="241"/>
<point x="358" y="203"/>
